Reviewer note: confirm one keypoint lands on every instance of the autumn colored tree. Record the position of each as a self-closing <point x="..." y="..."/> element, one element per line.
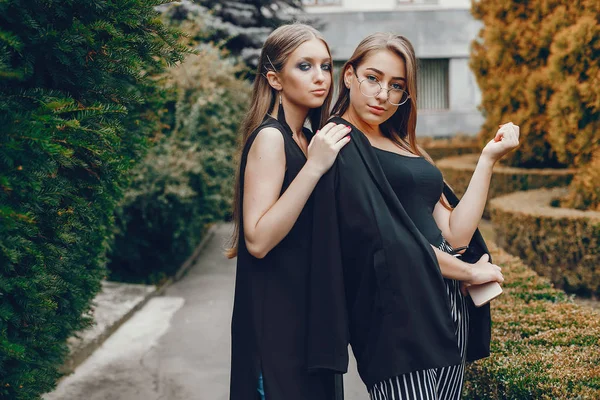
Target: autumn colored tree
<point x="538" y="64"/>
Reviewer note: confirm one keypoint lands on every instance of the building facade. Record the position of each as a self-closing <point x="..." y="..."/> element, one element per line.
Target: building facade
<point x="441" y="32"/>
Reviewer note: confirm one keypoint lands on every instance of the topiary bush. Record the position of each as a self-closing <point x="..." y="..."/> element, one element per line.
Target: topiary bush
<point x="438" y="148"/>
<point x="458" y="172"/>
<point x="559" y="243"/>
<point x="544" y="346"/>
<point x="186" y="181"/>
<point x="73" y="93"/>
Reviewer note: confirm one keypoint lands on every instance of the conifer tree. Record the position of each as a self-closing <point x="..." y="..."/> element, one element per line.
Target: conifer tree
<point x="76" y="108"/>
<point x="241" y="25"/>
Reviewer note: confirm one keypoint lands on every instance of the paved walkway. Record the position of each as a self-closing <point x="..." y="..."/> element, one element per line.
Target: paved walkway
<point x="176" y="347"/>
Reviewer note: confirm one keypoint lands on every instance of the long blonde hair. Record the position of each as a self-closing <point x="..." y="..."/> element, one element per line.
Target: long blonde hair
<point x="280" y="44"/>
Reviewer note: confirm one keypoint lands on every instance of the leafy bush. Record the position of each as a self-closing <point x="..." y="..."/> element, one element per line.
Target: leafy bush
<point x="560" y="244"/>
<point x="544" y="347"/>
<point x="536" y="64"/>
<point x="186" y="181"/>
<point x="574" y="109"/>
<point x="73" y="92"/>
<point x="584" y="191"/>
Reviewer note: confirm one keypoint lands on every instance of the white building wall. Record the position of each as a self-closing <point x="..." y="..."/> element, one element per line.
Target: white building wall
<point x="324" y="6"/>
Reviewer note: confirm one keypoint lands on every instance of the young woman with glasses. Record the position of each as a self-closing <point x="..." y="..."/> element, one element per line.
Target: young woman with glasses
<point x="384" y="275"/>
<point x="280" y="164"/>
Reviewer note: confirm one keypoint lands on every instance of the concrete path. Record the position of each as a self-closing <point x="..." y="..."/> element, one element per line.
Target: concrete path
<point x="177" y="347"/>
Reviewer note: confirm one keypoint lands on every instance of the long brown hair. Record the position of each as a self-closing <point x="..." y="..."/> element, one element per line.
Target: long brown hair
<point x="401" y="127"/>
<point x="280" y="44"/>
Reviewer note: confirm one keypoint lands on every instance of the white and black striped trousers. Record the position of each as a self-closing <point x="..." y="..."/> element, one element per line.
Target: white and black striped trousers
<point x="438" y="383"/>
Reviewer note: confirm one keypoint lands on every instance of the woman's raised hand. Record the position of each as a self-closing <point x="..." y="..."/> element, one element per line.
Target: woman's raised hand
<point x="325" y="146"/>
<point x="506" y="140"/>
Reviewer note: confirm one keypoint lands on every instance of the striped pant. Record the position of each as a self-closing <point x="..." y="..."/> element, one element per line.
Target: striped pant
<point x="438" y="383"/>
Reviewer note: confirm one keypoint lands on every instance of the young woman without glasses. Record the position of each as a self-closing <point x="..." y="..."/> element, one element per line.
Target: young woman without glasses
<point x="280" y="164"/>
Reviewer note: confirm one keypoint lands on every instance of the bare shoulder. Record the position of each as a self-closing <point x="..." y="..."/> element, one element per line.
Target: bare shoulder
<point x="268" y="140"/>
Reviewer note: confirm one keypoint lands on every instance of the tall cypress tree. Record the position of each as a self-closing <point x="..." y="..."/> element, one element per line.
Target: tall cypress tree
<point x="76" y="107"/>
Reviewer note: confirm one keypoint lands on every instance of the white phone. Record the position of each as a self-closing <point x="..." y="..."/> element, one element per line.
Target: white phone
<point x="483" y="294"/>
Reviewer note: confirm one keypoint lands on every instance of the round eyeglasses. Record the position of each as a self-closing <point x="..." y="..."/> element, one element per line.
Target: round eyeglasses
<point x="372" y="88"/>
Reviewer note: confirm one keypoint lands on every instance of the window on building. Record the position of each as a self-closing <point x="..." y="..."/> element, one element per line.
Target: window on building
<point x="432" y="84"/>
<point x="322" y="2"/>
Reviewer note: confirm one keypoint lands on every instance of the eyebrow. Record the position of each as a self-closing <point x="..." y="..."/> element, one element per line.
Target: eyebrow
<point x="400" y="78"/>
<point x="311" y="59"/>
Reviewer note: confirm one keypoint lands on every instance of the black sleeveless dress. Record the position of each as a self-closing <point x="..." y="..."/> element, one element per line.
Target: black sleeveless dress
<point x="268" y="329"/>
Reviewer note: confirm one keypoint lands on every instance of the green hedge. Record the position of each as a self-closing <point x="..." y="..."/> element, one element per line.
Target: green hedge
<point x="560" y="244"/>
<point x="73" y="111"/>
<point x="186" y="181"/>
<point x="544" y="346"/>
<point x="439" y="148"/>
<point x="458" y="171"/>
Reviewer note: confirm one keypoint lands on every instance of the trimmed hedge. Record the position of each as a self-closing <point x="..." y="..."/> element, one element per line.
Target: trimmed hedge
<point x="544" y="346"/>
<point x="449" y="147"/>
<point x="458" y="171"/>
<point x="561" y="244"/>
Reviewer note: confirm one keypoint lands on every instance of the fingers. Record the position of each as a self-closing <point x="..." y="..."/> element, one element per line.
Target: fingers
<point x="333" y="129"/>
<point x="338" y="133"/>
<point x="500" y="278"/>
<point x="485" y="258"/>
<point x="510" y="132"/>
<point x="463" y="288"/>
<point x="341" y="143"/>
<point x="325" y="129"/>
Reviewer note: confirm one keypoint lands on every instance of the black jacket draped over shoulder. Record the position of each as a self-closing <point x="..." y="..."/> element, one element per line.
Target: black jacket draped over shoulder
<point x="375" y="282"/>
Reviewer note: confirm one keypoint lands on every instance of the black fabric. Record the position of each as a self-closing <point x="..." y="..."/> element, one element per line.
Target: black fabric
<point x="375" y="282"/>
<point x="480" y="326"/>
<point x="418" y="184"/>
<point x="268" y="329"/>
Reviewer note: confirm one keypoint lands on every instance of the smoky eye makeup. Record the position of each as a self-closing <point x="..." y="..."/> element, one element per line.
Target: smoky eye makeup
<point x="303" y="66"/>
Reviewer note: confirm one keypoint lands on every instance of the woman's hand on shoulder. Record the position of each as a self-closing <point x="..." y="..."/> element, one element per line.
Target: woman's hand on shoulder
<point x="506" y="140"/>
<point x="325" y="146"/>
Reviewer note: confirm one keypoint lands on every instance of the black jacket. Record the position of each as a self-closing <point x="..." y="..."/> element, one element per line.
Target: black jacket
<point x="375" y="281"/>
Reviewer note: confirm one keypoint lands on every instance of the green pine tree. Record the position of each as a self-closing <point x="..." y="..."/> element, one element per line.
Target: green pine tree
<point x="77" y="105"/>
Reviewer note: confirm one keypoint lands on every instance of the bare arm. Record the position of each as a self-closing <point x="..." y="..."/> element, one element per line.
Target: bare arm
<point x="458" y="225"/>
<point x="474" y="274"/>
<point x="268" y="218"/>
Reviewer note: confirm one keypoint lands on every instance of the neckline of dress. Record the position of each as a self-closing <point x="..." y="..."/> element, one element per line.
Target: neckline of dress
<point x="377" y="148"/>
